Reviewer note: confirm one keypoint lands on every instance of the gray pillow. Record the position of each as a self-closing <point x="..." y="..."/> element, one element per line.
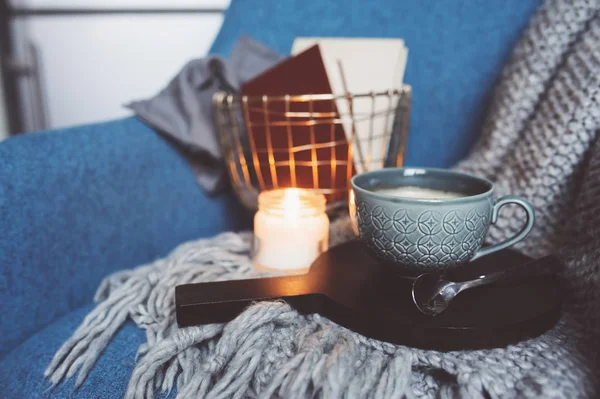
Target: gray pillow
<point x="183" y="110"/>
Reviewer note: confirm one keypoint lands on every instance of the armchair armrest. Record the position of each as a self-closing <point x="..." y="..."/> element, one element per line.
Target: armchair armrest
<point x="79" y="203"/>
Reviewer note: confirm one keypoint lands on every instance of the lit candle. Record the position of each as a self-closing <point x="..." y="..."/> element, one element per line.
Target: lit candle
<point x="291" y="229"/>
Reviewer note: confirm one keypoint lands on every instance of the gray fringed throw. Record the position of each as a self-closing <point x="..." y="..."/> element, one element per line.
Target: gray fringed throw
<point x="539" y="141"/>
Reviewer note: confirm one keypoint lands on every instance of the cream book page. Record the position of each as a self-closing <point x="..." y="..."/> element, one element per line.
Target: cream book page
<point x="362" y="66"/>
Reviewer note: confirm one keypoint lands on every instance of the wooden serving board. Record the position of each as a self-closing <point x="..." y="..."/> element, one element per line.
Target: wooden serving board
<point x="352" y="289"/>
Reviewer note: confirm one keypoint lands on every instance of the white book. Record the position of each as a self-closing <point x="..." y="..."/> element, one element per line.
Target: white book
<point x="362" y="65"/>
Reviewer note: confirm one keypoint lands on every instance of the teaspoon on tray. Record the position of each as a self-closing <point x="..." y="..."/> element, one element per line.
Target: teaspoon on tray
<point x="432" y="293"/>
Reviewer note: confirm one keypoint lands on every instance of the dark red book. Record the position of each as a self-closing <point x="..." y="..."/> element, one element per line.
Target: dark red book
<point x="280" y="126"/>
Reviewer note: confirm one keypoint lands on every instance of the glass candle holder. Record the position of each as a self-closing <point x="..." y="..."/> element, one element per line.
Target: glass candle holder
<point x="291" y="229"/>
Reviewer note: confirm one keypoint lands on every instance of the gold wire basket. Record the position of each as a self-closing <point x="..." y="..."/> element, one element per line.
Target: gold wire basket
<point x="313" y="141"/>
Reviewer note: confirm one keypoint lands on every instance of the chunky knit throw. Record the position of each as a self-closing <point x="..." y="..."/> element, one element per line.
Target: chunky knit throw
<point x="539" y="141"/>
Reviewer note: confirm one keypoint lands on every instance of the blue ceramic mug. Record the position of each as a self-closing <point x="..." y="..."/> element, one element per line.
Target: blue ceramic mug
<point x="442" y="229"/>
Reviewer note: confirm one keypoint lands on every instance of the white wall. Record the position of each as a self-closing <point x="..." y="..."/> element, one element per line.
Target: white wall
<point x="3" y="121"/>
<point x="91" y="65"/>
<point x="54" y="4"/>
<point x="113" y="60"/>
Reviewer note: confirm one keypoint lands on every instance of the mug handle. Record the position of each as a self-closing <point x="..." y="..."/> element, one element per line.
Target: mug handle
<point x="509" y="199"/>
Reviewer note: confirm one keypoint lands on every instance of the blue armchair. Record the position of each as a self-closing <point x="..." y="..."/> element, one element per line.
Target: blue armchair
<point x="77" y="204"/>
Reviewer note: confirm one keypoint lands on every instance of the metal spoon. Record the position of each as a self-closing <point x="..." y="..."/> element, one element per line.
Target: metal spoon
<point x="432" y="292"/>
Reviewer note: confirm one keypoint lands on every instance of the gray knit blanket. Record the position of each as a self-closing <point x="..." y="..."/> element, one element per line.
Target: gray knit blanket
<point x="539" y="141"/>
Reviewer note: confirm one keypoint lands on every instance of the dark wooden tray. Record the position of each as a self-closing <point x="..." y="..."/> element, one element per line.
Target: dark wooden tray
<point x="349" y="287"/>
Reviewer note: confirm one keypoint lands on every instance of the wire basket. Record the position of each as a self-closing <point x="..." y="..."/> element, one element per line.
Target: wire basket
<point x="313" y="141"/>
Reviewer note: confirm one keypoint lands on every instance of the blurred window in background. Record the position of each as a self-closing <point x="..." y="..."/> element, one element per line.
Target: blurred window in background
<point x="69" y="62"/>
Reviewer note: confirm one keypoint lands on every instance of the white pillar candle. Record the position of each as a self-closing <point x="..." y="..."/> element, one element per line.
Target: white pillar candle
<point x="291" y="229"/>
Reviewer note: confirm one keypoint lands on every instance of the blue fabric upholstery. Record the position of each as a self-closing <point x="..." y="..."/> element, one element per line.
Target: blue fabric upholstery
<point x="456" y="51"/>
<point x="22" y="373"/>
<point x="80" y="203"/>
